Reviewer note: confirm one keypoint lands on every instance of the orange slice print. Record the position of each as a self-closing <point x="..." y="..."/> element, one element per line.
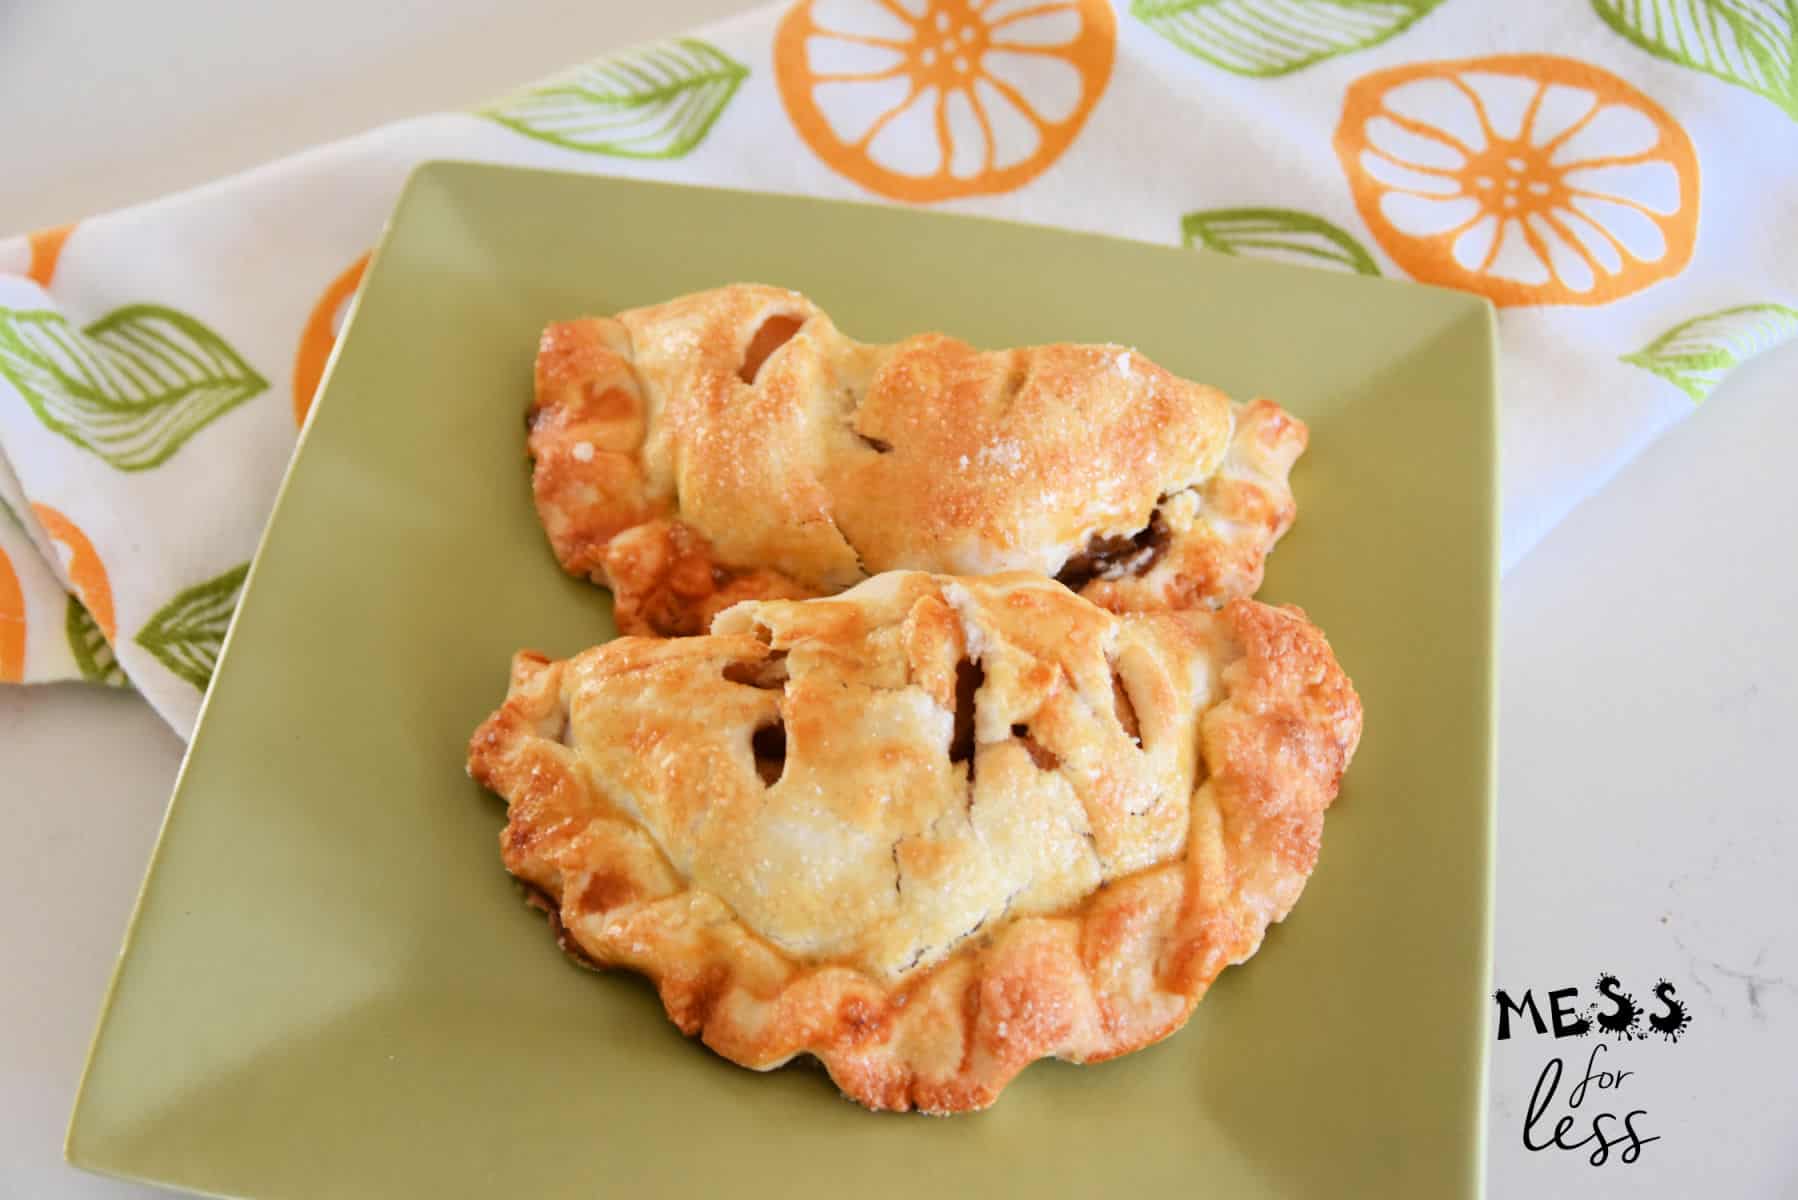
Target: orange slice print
<point x="925" y="100"/>
<point x="320" y="335"/>
<point x="86" y="572"/>
<point x="46" y="247"/>
<point x="1528" y="178"/>
<point x="12" y="624"/>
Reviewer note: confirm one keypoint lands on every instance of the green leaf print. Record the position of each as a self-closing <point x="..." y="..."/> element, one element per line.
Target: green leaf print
<point x="1750" y="43"/>
<point x="1277" y="233"/>
<point x="1695" y="355"/>
<point x="1276" y="37"/>
<point x="132" y="387"/>
<point x="89" y="646"/>
<point x="656" y="102"/>
<point x="185" y="634"/>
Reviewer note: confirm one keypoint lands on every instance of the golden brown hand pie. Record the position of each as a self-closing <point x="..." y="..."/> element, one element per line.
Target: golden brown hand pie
<point x="931" y="829"/>
<point x="733" y="444"/>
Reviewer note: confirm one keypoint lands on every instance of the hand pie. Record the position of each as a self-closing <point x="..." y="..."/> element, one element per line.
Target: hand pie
<point x="733" y="444"/>
<point x="931" y="829"/>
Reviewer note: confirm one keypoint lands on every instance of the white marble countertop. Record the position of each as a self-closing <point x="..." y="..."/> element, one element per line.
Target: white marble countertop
<point x="1649" y="670"/>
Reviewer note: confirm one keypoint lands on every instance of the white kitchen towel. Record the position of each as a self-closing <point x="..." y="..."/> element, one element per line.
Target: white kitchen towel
<point x="1619" y="176"/>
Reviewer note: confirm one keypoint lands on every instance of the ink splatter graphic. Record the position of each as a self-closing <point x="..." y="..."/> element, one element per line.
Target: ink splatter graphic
<point x="1621" y="1021"/>
<point x="1674" y="1021"/>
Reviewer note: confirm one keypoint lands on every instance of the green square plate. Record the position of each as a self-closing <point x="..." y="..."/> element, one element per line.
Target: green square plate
<point x="330" y="987"/>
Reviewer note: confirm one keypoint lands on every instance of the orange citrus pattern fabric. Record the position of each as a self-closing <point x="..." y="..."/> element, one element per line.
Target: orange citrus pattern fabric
<point x="926" y="100"/>
<point x="1530" y="179"/>
<point x="12" y="623"/>
<point x="1507" y="150"/>
<point x="86" y="572"/>
<point x="46" y="248"/>
<point x="320" y="335"/>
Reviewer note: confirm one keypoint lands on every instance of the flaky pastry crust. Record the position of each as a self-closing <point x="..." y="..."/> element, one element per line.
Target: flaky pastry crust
<point x="734" y="444"/>
<point x="929" y="830"/>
